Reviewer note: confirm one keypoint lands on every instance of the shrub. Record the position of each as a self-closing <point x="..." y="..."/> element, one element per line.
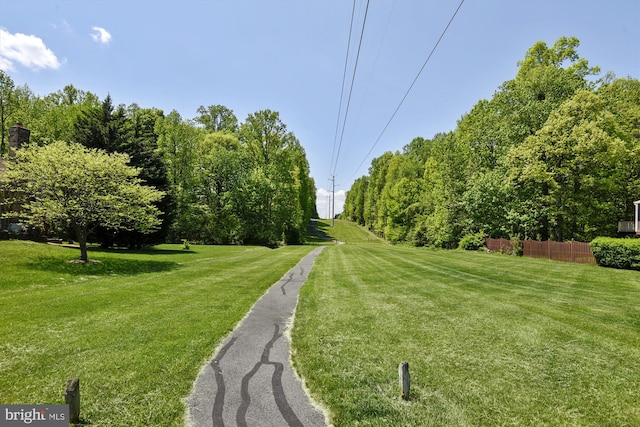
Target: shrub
<point x="472" y="242"/>
<point x="616" y="253"/>
<point x="517" y="248"/>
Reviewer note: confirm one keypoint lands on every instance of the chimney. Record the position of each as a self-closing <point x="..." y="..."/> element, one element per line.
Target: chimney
<point x="18" y="135"/>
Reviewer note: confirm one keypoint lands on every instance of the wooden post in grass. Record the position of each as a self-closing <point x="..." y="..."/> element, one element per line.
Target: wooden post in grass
<point x="72" y="398"/>
<point x="405" y="380"/>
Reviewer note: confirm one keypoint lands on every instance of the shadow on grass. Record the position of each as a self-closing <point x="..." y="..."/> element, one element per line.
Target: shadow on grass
<point x="318" y="232"/>
<point x="145" y="251"/>
<point x="110" y="266"/>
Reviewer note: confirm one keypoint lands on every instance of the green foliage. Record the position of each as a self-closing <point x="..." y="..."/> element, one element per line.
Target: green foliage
<point x="472" y="242"/>
<point x="552" y="155"/>
<point x="573" y="168"/>
<point x="616" y="253"/>
<point x="7" y="107"/>
<point x="130" y="131"/>
<point x="249" y="186"/>
<point x="70" y="187"/>
<point x="210" y="169"/>
<point x="217" y="118"/>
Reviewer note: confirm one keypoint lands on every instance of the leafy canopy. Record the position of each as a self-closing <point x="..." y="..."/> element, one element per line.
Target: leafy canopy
<point x="73" y="187"/>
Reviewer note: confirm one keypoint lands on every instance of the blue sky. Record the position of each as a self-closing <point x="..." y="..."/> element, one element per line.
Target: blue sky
<point x="289" y="56"/>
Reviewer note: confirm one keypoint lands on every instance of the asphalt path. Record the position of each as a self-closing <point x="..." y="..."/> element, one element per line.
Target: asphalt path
<point x="250" y="381"/>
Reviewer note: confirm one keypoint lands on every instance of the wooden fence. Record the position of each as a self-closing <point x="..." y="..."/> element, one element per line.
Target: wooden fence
<point x="572" y="251"/>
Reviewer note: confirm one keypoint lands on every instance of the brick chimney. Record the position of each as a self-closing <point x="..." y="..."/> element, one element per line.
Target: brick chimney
<point x="18" y="135"/>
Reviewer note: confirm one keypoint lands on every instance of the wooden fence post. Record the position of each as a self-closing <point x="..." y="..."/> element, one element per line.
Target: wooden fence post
<point x="573" y="256"/>
<point x="405" y="380"/>
<point x="72" y="398"/>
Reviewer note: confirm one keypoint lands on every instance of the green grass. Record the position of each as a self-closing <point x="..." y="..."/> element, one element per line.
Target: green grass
<point x="490" y="339"/>
<point x="347" y="232"/>
<point x="135" y="328"/>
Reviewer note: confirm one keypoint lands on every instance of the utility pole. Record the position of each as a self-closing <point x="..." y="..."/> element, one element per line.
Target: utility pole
<point x="333" y="199"/>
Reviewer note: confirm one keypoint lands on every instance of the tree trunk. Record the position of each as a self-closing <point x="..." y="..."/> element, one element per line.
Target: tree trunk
<point x="83" y="250"/>
<point x="81" y="234"/>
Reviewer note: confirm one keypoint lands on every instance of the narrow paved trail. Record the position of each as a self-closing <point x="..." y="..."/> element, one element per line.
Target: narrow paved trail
<point x="250" y="381"/>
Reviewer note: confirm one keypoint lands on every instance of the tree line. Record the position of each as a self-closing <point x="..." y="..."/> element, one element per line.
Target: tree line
<point x="554" y="154"/>
<point x="221" y="181"/>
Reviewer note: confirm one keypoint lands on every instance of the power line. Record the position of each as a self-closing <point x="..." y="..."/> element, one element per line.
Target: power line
<point x="344" y="79"/>
<point x="353" y="78"/>
<point x="375" y="62"/>
<point x="409" y="90"/>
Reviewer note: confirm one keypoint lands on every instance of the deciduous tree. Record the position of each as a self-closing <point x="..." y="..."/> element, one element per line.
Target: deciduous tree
<point x="73" y="187"/>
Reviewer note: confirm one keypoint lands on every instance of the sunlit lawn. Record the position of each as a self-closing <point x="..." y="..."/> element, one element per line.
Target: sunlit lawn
<point x="135" y="328"/>
<point x="347" y="232"/>
<point x="490" y="339"/>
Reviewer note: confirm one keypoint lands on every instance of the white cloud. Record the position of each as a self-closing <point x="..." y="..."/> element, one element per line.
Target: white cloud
<point x="323" y="202"/>
<point x="27" y="50"/>
<point x="100" y="35"/>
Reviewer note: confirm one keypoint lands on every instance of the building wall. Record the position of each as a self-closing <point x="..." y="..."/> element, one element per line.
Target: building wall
<point x="18" y="136"/>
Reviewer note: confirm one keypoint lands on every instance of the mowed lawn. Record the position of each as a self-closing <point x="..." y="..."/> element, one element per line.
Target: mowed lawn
<point x="490" y="339"/>
<point x="135" y="328"/>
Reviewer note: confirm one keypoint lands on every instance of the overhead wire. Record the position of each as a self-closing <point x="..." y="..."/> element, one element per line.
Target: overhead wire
<point x="344" y="79"/>
<point x="375" y="62"/>
<point x="408" y="90"/>
<point x="355" y="68"/>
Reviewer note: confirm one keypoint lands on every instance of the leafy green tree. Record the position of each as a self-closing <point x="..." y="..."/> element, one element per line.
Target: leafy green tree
<point x="397" y="205"/>
<point x="73" y="187"/>
<point x="563" y="50"/>
<point x="130" y="131"/>
<point x="304" y="206"/>
<point x="265" y="137"/>
<point x="312" y="198"/>
<point x="221" y="171"/>
<point x="446" y="174"/>
<point x="275" y="156"/>
<point x="418" y="150"/>
<point x="179" y="143"/>
<point x="354" y="200"/>
<point x="377" y="181"/>
<point x="571" y="170"/>
<point x="622" y="99"/>
<point x="62" y="109"/>
<point x="217" y="118"/>
<point x="140" y="142"/>
<point x="101" y="127"/>
<point x="7" y="106"/>
<point x="486" y="200"/>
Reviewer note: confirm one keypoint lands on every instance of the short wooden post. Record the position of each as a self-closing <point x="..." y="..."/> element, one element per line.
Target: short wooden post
<point x="405" y="380"/>
<point x="72" y="398"/>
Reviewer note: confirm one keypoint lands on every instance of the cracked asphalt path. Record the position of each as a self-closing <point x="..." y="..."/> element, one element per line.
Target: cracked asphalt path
<point x="250" y="381"/>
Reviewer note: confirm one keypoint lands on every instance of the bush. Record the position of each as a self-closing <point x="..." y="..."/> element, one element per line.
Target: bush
<point x="517" y="248"/>
<point x="472" y="242"/>
<point x="616" y="253"/>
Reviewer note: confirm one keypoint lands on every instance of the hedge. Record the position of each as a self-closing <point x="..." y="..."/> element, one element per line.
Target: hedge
<point x="472" y="242"/>
<point x="616" y="253"/>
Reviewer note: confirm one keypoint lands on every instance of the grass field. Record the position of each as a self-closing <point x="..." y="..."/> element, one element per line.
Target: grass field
<point x="347" y="232"/>
<point x="490" y="339"/>
<point x="135" y="328"/>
